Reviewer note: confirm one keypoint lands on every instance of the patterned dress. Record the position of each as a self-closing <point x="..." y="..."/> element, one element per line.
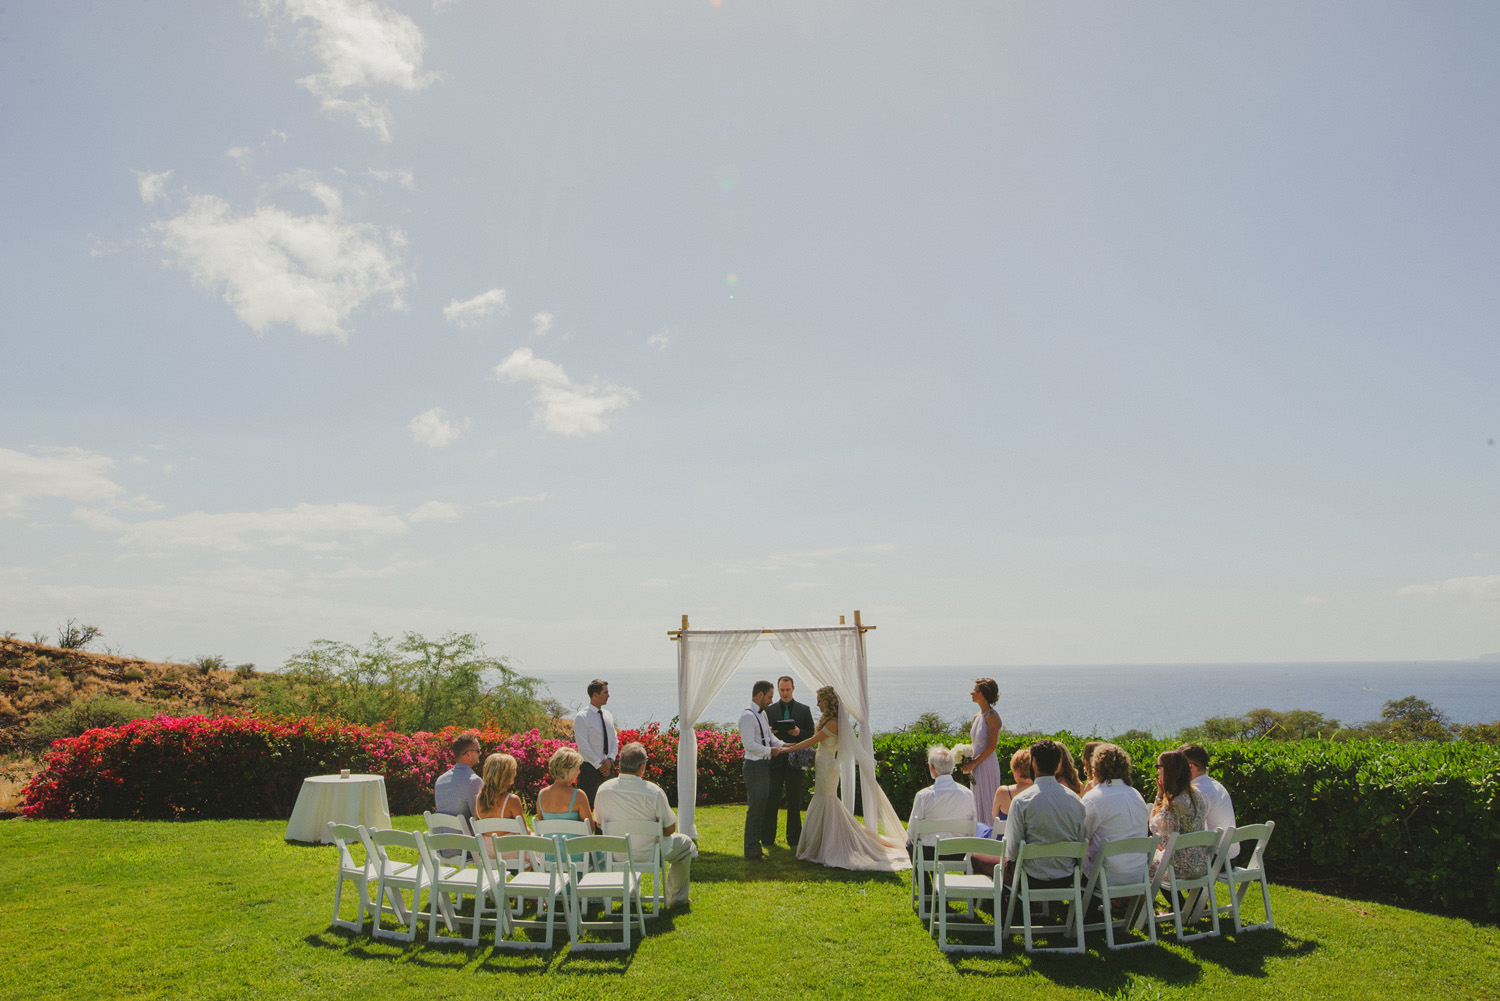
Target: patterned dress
<point x="1184" y="815"/>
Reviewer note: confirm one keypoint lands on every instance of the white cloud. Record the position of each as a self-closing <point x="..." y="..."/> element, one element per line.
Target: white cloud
<point x="434" y="511"/>
<point x="405" y="178"/>
<point x="518" y="499"/>
<point x="558" y="404"/>
<point x="361" y="44"/>
<point x="434" y="429"/>
<point x="151" y="186"/>
<point x="71" y="474"/>
<point x="811" y="558"/>
<point x="659" y="340"/>
<point x="309" y="272"/>
<point x="471" y="312"/>
<point x="1480" y="588"/>
<point x="240" y="155"/>
<point x="541" y="323"/>
<point x="310" y="527"/>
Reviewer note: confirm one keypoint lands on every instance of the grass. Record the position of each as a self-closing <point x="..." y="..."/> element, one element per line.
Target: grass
<point x="227" y="909"/>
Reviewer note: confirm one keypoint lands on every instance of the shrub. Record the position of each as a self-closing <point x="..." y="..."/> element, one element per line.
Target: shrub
<point x="198" y="767"/>
<point x="244" y="671"/>
<point x="134" y="674"/>
<point x="78" y="717"/>
<point x="210" y="663"/>
<point x="72" y="636"/>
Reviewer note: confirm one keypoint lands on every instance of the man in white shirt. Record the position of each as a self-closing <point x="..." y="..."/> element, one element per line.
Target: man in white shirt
<point x="1215" y="796"/>
<point x="760" y="747"/>
<point x="594" y="733"/>
<point x="1113" y="809"/>
<point x="631" y="797"/>
<point x="945" y="799"/>
<point x="1046" y="813"/>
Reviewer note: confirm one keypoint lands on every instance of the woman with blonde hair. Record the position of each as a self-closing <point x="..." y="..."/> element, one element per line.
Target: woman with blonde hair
<point x="496" y="801"/>
<point x="1020" y="770"/>
<point x="830" y="834"/>
<point x="1067" y="772"/>
<point x="562" y="799"/>
<point x="1178" y="809"/>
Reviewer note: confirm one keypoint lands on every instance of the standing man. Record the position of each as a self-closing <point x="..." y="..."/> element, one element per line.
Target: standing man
<point x="1215" y="796"/>
<point x="791" y="721"/>
<point x="632" y="797"/>
<point x="594" y="733"/>
<point x="760" y="748"/>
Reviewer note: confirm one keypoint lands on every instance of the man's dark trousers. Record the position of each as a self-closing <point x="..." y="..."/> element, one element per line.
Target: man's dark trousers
<point x="758" y="803"/>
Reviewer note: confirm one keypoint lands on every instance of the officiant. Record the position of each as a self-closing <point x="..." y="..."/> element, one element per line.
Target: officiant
<point x="791" y="721"/>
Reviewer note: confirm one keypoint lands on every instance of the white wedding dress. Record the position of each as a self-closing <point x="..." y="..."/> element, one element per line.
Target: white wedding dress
<point x="830" y="834"/>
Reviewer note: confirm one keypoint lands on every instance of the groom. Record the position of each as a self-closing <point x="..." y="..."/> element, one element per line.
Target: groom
<point x="760" y="747"/>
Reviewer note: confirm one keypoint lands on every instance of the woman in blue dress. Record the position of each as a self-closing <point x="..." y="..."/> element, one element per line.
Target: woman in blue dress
<point x="563" y="800"/>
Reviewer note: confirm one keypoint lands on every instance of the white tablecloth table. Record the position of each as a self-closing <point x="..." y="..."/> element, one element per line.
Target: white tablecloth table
<point x="359" y="799"/>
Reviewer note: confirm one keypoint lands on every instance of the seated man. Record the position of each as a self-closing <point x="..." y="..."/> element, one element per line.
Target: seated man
<point x="456" y="791"/>
<point x="1046" y="813"/>
<point x="1215" y="796"/>
<point x="631" y="797"/>
<point x="945" y="799"/>
<point x="1113" y="809"/>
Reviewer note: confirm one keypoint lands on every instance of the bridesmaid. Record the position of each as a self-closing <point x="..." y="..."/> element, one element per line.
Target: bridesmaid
<point x="984" y="768"/>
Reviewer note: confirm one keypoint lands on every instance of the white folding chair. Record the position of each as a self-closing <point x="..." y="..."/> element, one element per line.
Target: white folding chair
<point x="926" y="867"/>
<point x="1238" y="879"/>
<point x="361" y="874"/>
<point x="958" y="885"/>
<point x="448" y="885"/>
<point x="396" y="877"/>
<point x="620" y="882"/>
<point x="1140" y="892"/>
<point x="641" y="834"/>
<point x="446" y="823"/>
<point x="568" y="829"/>
<point x="549" y="887"/>
<point x="1021" y="891"/>
<point x="1195" y="890"/>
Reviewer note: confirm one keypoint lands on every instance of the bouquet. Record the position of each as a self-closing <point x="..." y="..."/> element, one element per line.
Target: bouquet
<point x="802" y="758"/>
<point x="962" y="754"/>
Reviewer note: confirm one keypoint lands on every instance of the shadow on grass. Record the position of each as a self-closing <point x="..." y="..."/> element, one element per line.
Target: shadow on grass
<point x="1245" y="955"/>
<point x="780" y="866"/>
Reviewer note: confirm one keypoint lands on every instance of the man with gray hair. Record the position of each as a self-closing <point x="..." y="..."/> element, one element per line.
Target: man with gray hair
<point x="632" y="797"/>
<point x="945" y="799"/>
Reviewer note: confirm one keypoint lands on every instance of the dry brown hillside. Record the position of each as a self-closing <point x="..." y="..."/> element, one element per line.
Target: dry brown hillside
<point x="35" y="679"/>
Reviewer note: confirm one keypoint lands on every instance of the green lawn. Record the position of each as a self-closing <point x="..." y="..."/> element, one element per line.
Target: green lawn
<point x="227" y="909"/>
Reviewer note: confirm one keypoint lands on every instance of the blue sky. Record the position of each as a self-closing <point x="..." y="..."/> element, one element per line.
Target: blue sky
<point x="1042" y="333"/>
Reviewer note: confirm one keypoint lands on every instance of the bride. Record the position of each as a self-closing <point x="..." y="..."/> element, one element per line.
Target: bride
<point x="830" y="834"/>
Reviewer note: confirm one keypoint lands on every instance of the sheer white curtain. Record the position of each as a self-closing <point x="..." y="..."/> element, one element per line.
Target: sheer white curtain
<point x="834" y="656"/>
<point x="705" y="662"/>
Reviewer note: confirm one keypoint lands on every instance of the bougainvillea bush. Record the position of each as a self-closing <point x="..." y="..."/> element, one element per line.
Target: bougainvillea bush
<point x="195" y="767"/>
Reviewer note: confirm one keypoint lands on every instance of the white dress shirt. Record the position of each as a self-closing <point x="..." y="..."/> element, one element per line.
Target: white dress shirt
<point x="755" y="734"/>
<point x="945" y="799"/>
<point x="595" y="743"/>
<point x="1114" y="810"/>
<point x="1219" y="806"/>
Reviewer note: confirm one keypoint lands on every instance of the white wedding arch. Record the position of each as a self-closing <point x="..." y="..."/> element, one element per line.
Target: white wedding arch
<point x="822" y="655"/>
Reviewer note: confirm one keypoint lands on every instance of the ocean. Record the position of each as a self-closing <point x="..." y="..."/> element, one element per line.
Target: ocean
<point x="1105" y="699"/>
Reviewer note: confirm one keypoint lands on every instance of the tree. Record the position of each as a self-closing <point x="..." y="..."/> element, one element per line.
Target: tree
<point x="72" y="636"/>
<point x="1412" y="718"/>
<point x="414" y="684"/>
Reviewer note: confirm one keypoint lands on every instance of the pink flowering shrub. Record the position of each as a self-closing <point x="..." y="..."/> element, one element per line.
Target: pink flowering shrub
<point x="245" y="766"/>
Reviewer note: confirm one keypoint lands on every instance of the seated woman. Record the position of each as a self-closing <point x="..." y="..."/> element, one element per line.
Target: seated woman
<point x="1067" y="773"/>
<point x="1021" y="771"/>
<point x="1086" y="764"/>
<point x="1178" y="810"/>
<point x="563" y="800"/>
<point x="496" y="801"/>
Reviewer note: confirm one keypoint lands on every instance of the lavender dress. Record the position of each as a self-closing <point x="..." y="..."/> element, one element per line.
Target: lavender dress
<point x="985" y="779"/>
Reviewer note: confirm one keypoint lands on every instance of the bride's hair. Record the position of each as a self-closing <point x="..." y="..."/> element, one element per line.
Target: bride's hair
<point x="828" y="703"/>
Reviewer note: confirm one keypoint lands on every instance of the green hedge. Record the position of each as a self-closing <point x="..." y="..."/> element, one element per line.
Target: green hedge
<point x="1418" y="822"/>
